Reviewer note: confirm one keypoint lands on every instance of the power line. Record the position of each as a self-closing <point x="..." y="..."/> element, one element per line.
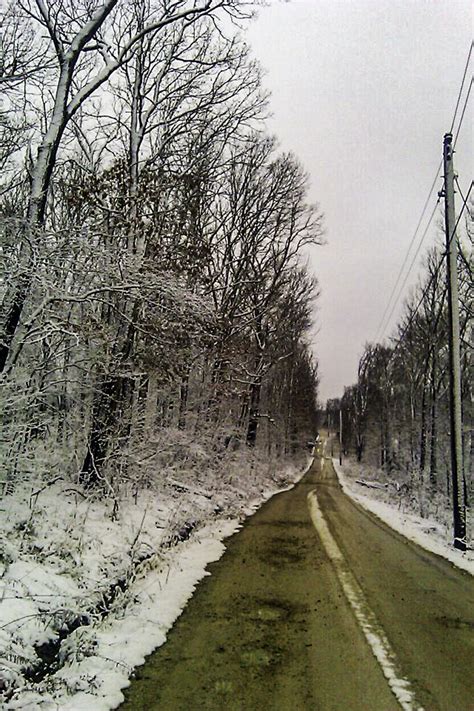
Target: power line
<point x="432" y="278"/>
<point x="385" y="321"/>
<point x="463" y="112"/>
<point x="400" y="291"/>
<point x="459" y="188"/>
<point x="382" y="325"/>
<point x="464" y="205"/>
<point x="462" y="86"/>
<point x="415" y="312"/>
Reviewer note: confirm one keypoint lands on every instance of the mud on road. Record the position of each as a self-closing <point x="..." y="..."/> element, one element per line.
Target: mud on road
<point x="272" y="629"/>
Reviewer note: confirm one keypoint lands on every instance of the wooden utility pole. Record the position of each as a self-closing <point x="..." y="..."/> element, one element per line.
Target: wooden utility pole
<point x="459" y="506"/>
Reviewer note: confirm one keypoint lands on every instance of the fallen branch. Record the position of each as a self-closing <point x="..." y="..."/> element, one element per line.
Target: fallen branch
<point x="371" y="485"/>
<point x="184" y="487"/>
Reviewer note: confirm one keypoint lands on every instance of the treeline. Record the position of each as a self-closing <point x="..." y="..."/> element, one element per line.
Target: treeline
<point x="396" y="416"/>
<point x="153" y="288"/>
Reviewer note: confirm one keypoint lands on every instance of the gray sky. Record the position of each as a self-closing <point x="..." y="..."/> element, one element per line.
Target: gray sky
<point x="363" y="92"/>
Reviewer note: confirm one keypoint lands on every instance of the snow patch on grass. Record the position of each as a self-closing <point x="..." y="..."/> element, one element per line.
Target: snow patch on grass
<point x="428" y="533"/>
<point x="159" y="598"/>
<point x="87" y="592"/>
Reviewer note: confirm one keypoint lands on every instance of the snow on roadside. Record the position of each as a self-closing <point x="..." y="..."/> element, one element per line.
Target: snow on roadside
<point x="427" y="533"/>
<point x="64" y="555"/>
<point x="122" y="644"/>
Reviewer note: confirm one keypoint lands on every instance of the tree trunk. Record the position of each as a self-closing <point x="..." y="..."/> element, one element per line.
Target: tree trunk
<point x="423" y="425"/>
<point x="151" y="401"/>
<point x="215" y="378"/>
<point x="42" y="171"/>
<point x="183" y="400"/>
<point x="382" y="447"/>
<point x="433" y="440"/>
<point x="289" y="413"/>
<point x="113" y="397"/>
<point x="244" y="411"/>
<point x="104" y="411"/>
<point x="40" y="182"/>
<point x="13" y="313"/>
<point x="412" y="428"/>
<point x="255" y="390"/>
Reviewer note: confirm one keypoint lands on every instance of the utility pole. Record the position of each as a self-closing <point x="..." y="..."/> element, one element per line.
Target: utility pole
<point x="459" y="506"/>
<point x="340" y="436"/>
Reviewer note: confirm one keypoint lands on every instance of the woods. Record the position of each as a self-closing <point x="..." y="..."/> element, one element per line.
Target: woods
<point x="154" y="283"/>
<point x="396" y="417"/>
<point x="157" y="377"/>
<point x="160" y="285"/>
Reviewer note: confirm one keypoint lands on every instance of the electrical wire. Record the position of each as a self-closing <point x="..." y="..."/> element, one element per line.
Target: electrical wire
<point x="400" y="291"/>
<point x="384" y="321"/>
<point x="432" y="278"/>
<point x="462" y="86"/>
<point x="415" y="312"/>
<point x="463" y="112"/>
<point x="459" y="188"/>
<point x="382" y="325"/>
<point x="464" y="205"/>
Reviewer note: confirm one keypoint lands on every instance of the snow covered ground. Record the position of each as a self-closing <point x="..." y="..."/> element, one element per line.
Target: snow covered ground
<point x="431" y="534"/>
<point x="90" y="590"/>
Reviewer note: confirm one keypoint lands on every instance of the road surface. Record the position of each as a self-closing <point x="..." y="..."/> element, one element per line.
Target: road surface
<point x="317" y="605"/>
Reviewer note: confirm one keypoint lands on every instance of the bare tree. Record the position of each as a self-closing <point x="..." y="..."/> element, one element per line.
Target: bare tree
<point x="89" y="43"/>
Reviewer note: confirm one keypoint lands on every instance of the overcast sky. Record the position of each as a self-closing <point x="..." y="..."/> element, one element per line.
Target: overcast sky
<point x="363" y="92"/>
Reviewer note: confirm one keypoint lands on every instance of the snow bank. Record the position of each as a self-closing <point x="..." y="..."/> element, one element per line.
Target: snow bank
<point x="99" y="591"/>
<point x="426" y="532"/>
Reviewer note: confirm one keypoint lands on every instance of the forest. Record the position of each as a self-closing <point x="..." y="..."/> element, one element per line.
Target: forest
<point x="396" y="418"/>
<point x="157" y="334"/>
<point x="156" y="313"/>
<point x="154" y="284"/>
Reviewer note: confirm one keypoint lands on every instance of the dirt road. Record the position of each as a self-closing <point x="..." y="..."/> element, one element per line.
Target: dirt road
<point x="293" y="618"/>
